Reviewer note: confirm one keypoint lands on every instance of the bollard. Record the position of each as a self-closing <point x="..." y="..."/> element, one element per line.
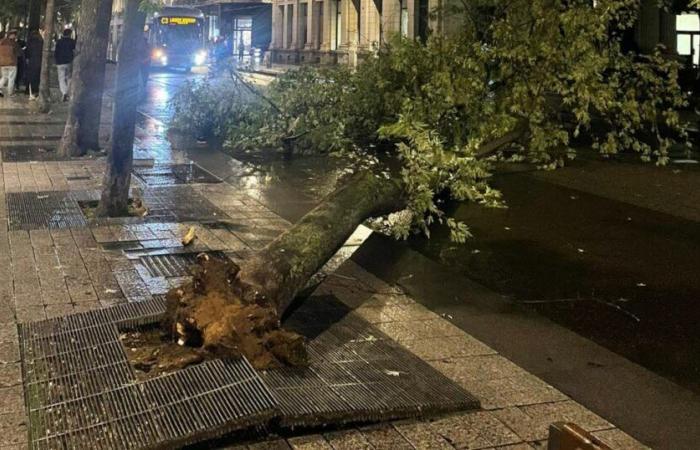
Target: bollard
<point x="569" y="436"/>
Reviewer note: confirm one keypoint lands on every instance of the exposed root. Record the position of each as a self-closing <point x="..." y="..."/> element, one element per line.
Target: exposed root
<point x="212" y="313"/>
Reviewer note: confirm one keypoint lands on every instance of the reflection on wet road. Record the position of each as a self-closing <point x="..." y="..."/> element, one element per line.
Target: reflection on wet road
<point x="288" y="187"/>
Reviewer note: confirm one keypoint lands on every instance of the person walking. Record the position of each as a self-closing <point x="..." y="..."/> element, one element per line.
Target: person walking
<point x="9" y="51"/>
<point x="65" y="48"/>
<point x="35" y="46"/>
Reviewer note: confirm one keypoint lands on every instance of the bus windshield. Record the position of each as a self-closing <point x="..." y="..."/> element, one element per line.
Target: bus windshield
<point x="175" y="35"/>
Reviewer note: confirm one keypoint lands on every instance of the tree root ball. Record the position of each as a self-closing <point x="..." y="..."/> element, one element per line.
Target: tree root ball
<point x="213" y="313"/>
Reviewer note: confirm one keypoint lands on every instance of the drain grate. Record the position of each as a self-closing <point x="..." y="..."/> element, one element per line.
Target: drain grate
<point x="56" y="137"/>
<point x="82" y="394"/>
<point x="172" y="174"/>
<point x="26" y="153"/>
<point x="173" y="264"/>
<point x="178" y="204"/>
<point x="41" y="210"/>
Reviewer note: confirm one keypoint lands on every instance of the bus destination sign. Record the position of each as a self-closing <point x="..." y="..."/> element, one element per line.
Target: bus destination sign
<point x="178" y="20"/>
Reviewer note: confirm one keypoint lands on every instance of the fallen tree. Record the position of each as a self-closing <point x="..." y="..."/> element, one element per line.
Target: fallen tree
<point x="421" y="122"/>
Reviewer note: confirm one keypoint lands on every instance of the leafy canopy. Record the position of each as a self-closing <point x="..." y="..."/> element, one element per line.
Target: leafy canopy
<point x="526" y="76"/>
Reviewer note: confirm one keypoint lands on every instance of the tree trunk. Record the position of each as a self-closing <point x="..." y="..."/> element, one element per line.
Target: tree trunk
<point x="87" y="83"/>
<point x="115" y="187"/>
<point x="277" y="273"/>
<point x="227" y="311"/>
<point x="44" y="78"/>
<point x="34" y="20"/>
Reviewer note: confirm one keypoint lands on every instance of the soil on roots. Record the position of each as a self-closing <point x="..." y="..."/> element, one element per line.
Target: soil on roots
<point x="213" y="315"/>
<point x="152" y="353"/>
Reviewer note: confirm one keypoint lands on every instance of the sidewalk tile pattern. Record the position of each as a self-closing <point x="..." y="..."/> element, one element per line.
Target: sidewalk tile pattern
<point x="54" y="272"/>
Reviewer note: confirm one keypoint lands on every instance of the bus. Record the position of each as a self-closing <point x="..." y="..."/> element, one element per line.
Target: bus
<point x="176" y="37"/>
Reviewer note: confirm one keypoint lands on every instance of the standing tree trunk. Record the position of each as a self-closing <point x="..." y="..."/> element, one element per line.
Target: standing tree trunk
<point x="87" y="83"/>
<point x="115" y="187"/>
<point x="44" y="88"/>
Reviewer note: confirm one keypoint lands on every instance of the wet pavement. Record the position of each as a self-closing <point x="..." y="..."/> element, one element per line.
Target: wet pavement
<point x="619" y="274"/>
<point x="48" y="271"/>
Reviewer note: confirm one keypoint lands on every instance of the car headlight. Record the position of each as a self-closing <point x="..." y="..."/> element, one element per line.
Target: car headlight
<point x="200" y="58"/>
<point x="164" y="60"/>
<point x="157" y="53"/>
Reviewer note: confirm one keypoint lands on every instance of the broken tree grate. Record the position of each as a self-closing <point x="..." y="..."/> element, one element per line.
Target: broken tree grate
<point x="81" y="391"/>
<point x="173" y="174"/>
<point x="357" y="373"/>
<point x="44" y="210"/>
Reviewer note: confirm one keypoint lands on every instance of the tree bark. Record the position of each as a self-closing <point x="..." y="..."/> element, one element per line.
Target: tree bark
<point x="115" y="187"/>
<point x="87" y="83"/>
<point x="276" y="274"/>
<point x="44" y="78"/>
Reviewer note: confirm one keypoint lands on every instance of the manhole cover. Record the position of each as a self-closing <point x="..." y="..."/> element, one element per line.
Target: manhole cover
<point x="41" y="210"/>
<point x="171" y="174"/>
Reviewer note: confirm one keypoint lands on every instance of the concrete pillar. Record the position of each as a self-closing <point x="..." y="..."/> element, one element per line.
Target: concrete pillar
<point x="310" y="25"/>
<point x="328" y="24"/>
<point x="277" y="25"/>
<point x="412" y="31"/>
<point x="391" y="19"/>
<point x="285" y="27"/>
<point x="295" y="24"/>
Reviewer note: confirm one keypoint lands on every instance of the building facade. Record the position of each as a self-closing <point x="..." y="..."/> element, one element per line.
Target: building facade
<point x="245" y="25"/>
<point x="344" y="31"/>
<point x="329" y="31"/>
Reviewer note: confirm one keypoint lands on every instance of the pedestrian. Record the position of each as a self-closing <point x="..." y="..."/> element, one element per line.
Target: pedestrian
<point x="9" y="50"/>
<point x="145" y="64"/>
<point x="35" y="47"/>
<point x="65" y="48"/>
<point x="241" y="50"/>
<point x="21" y="64"/>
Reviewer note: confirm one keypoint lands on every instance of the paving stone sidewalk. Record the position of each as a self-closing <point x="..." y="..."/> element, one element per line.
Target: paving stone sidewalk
<point x="48" y="269"/>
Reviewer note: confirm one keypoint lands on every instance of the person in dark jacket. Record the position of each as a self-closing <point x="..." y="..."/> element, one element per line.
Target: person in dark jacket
<point x="65" y="48"/>
<point x="35" y="45"/>
<point x="21" y="63"/>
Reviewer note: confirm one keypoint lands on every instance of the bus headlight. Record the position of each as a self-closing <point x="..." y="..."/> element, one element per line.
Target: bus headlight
<point x="200" y="58"/>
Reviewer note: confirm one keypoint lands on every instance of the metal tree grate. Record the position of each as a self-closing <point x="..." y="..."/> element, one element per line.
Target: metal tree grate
<point x="172" y="174"/>
<point x="173" y="264"/>
<point x="178" y="204"/>
<point x="357" y="373"/>
<point x="81" y="392"/>
<point x="34" y="152"/>
<point x="41" y="210"/>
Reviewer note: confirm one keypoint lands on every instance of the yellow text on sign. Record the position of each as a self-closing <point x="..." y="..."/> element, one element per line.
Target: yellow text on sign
<point x="178" y="20"/>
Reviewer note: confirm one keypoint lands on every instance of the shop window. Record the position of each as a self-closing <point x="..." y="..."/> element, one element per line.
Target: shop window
<point x="688" y="36"/>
